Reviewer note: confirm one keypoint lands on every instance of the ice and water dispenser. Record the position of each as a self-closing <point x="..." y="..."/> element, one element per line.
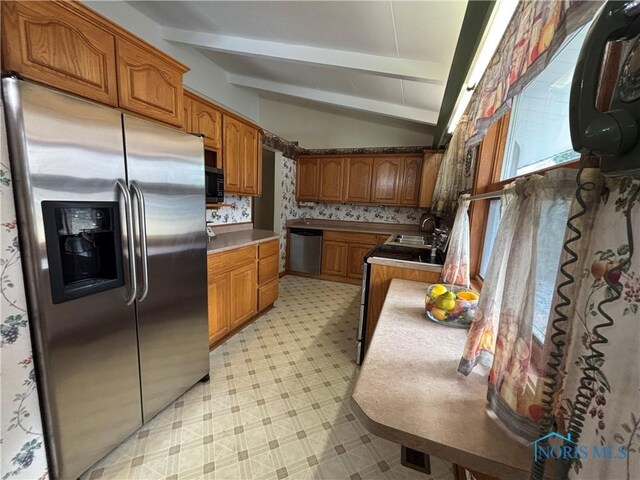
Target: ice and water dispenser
<point x="83" y="248"/>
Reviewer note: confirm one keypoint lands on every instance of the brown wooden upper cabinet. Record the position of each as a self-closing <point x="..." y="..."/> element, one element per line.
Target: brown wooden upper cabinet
<point x="69" y="46"/>
<point x="430" y="169"/>
<point x="148" y="85"/>
<point x="357" y="184"/>
<point x="387" y="176"/>
<point x="206" y="120"/>
<point x="411" y="177"/>
<point x="249" y="155"/>
<point x="47" y="42"/>
<point x="307" y="175"/>
<point x="331" y="179"/>
<point x="232" y="160"/>
<point x="242" y="157"/>
<point x="187" y="104"/>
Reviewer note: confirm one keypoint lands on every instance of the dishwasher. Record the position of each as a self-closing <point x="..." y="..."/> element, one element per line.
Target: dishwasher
<point x="305" y="251"/>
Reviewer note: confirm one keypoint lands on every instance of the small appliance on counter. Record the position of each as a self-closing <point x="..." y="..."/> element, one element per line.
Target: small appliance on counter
<point x="214" y="184"/>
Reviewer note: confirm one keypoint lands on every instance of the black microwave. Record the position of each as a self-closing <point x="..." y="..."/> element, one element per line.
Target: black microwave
<point x="214" y="184"/>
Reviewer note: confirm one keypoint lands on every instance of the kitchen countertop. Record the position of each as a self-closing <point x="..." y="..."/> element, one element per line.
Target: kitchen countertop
<point x="392" y="262"/>
<point x="240" y="238"/>
<point x="360" y="227"/>
<point x="409" y="392"/>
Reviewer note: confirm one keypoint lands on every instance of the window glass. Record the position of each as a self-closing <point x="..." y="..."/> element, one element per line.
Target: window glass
<point x="550" y="237"/>
<point x="493" y="220"/>
<point x="539" y="126"/>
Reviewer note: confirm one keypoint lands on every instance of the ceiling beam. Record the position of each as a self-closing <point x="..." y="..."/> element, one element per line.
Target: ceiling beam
<point x="338" y="99"/>
<point x="394" y="67"/>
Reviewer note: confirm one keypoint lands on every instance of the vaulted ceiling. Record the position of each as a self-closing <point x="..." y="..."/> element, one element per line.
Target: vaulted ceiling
<point x="388" y="58"/>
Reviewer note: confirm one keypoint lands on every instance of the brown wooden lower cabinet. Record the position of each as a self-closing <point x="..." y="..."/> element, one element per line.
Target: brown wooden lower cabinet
<point x="219" y="287"/>
<point x="334" y="258"/>
<point x="267" y="294"/>
<point x="356" y="258"/>
<point x="243" y="282"/>
<point x="244" y="294"/>
<point x="379" y="281"/>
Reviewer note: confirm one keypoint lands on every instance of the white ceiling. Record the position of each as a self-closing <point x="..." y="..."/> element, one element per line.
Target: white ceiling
<point x="386" y="57"/>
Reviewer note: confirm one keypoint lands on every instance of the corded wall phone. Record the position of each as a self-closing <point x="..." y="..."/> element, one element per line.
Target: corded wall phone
<point x="614" y="135"/>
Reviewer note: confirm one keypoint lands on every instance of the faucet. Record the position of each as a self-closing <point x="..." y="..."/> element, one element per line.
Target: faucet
<point x="424" y="222"/>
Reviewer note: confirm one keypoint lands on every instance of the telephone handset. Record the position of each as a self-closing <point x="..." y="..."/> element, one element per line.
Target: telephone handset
<point x="614" y="135"/>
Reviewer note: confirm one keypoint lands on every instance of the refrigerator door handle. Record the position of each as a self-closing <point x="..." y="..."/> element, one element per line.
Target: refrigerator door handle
<point x="142" y="241"/>
<point x="122" y="186"/>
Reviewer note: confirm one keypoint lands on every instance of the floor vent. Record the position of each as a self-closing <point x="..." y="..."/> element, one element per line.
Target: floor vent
<point x="415" y="460"/>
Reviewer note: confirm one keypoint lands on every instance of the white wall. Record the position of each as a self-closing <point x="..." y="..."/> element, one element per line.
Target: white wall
<point x="317" y="126"/>
<point x="205" y="77"/>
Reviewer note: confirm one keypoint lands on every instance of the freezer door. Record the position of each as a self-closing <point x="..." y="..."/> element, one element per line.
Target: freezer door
<point x="64" y="149"/>
<point x="166" y="171"/>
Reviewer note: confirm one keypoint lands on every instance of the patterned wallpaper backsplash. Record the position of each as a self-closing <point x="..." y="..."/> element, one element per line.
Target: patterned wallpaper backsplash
<point x="238" y="211"/>
<point x="329" y="211"/>
<point x="21" y="436"/>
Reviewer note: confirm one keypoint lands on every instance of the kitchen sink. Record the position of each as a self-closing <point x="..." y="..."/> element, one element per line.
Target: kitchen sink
<point x="411" y="240"/>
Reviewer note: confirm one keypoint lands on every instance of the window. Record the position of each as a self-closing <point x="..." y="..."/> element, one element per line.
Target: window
<point x="533" y="137"/>
<point x="539" y="135"/>
<point x="493" y="220"/>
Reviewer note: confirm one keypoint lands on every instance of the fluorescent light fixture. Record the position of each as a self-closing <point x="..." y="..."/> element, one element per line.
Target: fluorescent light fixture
<point x="498" y="23"/>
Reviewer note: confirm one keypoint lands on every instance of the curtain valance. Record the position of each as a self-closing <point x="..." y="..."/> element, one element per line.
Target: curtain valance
<point x="533" y="36"/>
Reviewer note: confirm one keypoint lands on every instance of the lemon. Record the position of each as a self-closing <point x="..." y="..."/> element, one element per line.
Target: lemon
<point x="438" y="290"/>
<point x="446" y="301"/>
<point x="438" y="314"/>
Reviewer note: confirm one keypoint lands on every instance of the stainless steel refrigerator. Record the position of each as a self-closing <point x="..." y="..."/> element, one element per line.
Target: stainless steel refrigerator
<point x="111" y="214"/>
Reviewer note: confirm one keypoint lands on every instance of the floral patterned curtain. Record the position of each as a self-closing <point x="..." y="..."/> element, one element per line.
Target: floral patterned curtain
<point x="455" y="175"/>
<point x="456" y="268"/>
<point x="516" y="297"/>
<point x="597" y="400"/>
<point x="533" y="36"/>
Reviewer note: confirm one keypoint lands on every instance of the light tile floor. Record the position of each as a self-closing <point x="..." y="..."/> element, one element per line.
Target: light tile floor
<point x="277" y="405"/>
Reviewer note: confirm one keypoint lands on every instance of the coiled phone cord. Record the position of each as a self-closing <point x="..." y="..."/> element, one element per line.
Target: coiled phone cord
<point x="558" y="325"/>
<point x="594" y="361"/>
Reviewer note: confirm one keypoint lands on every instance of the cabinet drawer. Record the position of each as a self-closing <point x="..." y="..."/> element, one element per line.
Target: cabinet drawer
<point x="267" y="294"/>
<point x="225" y="261"/>
<point x="349" y="237"/>
<point x="268" y="249"/>
<point x="268" y="269"/>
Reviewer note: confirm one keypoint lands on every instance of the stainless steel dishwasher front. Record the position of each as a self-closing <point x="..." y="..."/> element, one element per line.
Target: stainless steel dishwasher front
<point x="306" y="251"/>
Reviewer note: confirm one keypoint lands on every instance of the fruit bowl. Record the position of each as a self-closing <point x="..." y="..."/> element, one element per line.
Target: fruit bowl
<point x="451" y="305"/>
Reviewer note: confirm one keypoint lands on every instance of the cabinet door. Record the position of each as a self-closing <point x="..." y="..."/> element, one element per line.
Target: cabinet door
<point x="355" y="258"/>
<point x="411" y="176"/>
<point x="307" y="179"/>
<point x="219" y="298"/>
<point x="386" y="180"/>
<point x="334" y="258"/>
<point x="232" y="162"/>
<point x="331" y="179"/>
<point x="267" y="294"/>
<point x="188" y="114"/>
<point x="207" y="121"/>
<point x="430" y="169"/>
<point x="249" y="155"/>
<point x="46" y="42"/>
<point x="244" y="294"/>
<point x="148" y="85"/>
<point x="357" y="186"/>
